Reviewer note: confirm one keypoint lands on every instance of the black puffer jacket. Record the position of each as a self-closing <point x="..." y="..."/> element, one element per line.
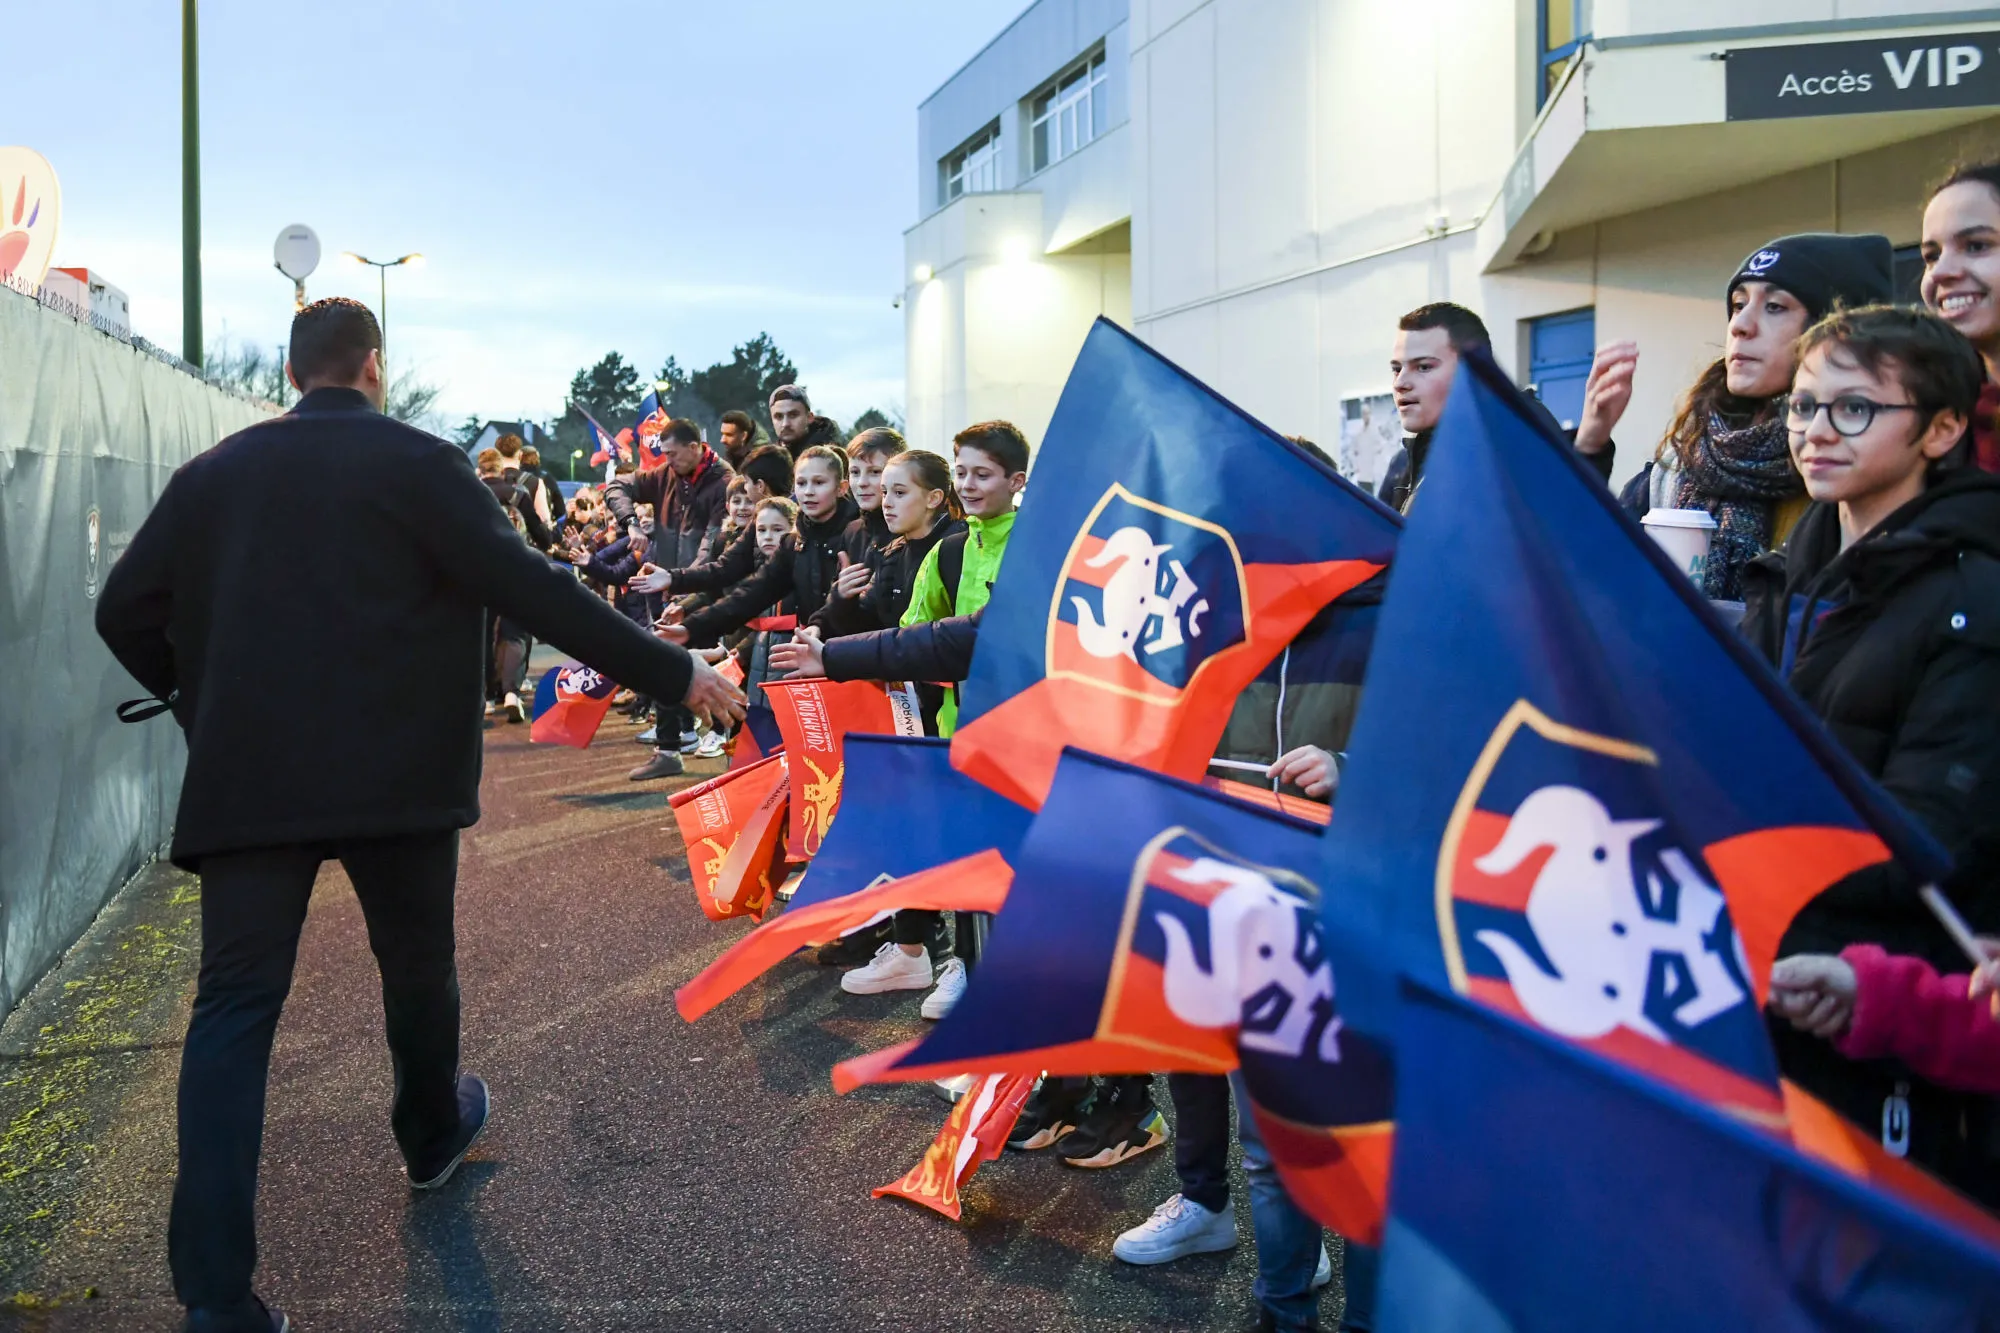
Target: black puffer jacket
<point x="887" y="596"/>
<point x="805" y="570"/>
<point x="1902" y="662"/>
<point x="1406" y="470"/>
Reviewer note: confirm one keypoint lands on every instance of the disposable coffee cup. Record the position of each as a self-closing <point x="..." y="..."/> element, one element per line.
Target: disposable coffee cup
<point x="1683" y="534"/>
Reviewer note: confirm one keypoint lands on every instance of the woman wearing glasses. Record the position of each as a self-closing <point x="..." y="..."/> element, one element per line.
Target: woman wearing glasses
<point x="1725" y="452"/>
<point x="1883" y="614"/>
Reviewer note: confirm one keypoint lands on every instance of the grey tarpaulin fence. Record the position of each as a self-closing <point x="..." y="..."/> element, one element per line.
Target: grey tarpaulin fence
<point x="91" y="427"/>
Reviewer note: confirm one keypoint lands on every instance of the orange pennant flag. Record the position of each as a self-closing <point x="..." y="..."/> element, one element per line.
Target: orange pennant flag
<point x="711" y="814"/>
<point x="976" y="883"/>
<point x="814" y="717"/>
<point x="753" y="867"/>
<point x="976" y="1132"/>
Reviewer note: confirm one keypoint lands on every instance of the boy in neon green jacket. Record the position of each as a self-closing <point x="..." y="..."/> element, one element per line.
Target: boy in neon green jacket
<point x="956" y="578"/>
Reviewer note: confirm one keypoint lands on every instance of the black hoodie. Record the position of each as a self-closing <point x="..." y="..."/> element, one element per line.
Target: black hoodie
<point x="806" y="570"/>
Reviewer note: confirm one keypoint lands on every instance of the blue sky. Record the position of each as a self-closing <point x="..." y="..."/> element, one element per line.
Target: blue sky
<point x="581" y="176"/>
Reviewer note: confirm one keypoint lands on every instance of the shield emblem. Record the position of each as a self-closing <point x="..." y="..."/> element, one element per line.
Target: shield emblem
<point x="1566" y="899"/>
<point x="576" y="681"/>
<point x="1147" y="596"/>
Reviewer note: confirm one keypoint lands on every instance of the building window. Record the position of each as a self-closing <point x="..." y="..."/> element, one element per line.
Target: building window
<point x="1563" y="27"/>
<point x="973" y="169"/>
<point x="1070" y="113"/>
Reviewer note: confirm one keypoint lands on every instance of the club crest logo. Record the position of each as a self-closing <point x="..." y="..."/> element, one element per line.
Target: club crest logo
<point x="1563" y="899"/>
<point x="1761" y="262"/>
<point x="576" y="681"/>
<point x="1215" y="951"/>
<point x="1147" y="596"/>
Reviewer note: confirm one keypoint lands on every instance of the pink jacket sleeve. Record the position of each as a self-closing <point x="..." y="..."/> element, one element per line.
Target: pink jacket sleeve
<point x="1904" y="1010"/>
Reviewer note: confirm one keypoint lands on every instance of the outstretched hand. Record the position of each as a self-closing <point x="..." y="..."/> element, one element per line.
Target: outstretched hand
<point x="804" y="656"/>
<point x="713" y="700"/>
<point x="854" y="579"/>
<point x="650" y="579"/>
<point x="672" y="634"/>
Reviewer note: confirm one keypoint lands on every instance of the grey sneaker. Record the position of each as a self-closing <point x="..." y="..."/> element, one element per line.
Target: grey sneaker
<point x="663" y="764"/>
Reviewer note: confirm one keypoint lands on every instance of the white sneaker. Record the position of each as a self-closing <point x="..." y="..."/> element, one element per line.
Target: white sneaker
<point x="1179" y="1227"/>
<point x="950" y="985"/>
<point x="955" y="1087"/>
<point x="511" y="706"/>
<point x="711" y="745"/>
<point x="1324" y="1273"/>
<point x="650" y="736"/>
<point x="889" y="969"/>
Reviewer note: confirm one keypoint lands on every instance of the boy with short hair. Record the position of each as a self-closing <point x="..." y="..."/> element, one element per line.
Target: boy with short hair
<point x="1882" y="612"/>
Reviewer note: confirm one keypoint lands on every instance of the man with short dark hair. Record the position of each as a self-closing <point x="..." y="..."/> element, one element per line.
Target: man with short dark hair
<point x="385" y="615"/>
<point x="1423" y="365"/>
<point x="791" y="417"/>
<point x="739" y="436"/>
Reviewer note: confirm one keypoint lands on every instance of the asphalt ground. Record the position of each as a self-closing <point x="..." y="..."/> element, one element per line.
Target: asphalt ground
<point x="639" y="1172"/>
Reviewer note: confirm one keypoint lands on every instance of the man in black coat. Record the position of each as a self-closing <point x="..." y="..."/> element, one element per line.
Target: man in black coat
<point x="381" y="609"/>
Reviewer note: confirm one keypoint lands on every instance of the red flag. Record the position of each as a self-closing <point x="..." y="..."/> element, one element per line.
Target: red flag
<point x="975" y="1132"/>
<point x="751" y="869"/>
<point x="570" y="704"/>
<point x="1317" y="812"/>
<point x="976" y="883"/>
<point x="712" y="814"/>
<point x="731" y="670"/>
<point x="814" y="716"/>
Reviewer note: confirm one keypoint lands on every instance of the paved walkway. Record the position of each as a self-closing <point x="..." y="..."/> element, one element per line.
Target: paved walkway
<point x="640" y="1173"/>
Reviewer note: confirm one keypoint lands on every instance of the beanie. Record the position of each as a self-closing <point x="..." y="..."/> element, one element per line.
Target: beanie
<point x="1820" y="268"/>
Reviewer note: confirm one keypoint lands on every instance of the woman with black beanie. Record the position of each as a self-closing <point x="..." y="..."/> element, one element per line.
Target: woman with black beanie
<point x="1726" y="451"/>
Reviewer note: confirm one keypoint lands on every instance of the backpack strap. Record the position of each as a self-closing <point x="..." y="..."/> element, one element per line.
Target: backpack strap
<point x="951" y="566"/>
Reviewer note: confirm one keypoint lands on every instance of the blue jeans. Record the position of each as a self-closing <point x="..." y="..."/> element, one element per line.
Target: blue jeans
<point x="1288" y="1241"/>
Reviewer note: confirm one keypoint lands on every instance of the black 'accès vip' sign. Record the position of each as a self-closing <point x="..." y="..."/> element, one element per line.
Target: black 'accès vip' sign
<point x="1845" y="78"/>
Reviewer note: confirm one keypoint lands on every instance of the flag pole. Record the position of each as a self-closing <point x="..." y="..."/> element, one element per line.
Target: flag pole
<point x="1953" y="923"/>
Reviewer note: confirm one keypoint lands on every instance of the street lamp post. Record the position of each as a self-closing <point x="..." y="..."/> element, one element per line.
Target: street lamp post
<point x="382" y="268"/>
<point x="574" y="454"/>
<point x="191" y="348"/>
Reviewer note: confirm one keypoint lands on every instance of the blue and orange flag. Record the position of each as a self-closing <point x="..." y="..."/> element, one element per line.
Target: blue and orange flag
<point x="1169" y="548"/>
<point x="1572" y="793"/>
<point x="570" y="703"/>
<point x="1154" y="925"/>
<point x="913" y="833"/>
<point x="815" y="717"/>
<point x="646" y="427"/>
<point x="1542" y="1189"/>
<point x="603" y="449"/>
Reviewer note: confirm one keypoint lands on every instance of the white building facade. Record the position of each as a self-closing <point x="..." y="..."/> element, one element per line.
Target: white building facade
<point x="1266" y="185"/>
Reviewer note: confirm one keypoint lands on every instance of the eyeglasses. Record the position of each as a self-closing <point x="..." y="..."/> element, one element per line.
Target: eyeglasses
<point x="1850" y="413"/>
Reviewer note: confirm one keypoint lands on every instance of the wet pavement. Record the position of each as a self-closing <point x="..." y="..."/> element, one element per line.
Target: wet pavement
<point x="639" y="1172"/>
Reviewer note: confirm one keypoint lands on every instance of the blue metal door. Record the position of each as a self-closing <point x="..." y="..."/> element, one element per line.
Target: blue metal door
<point x="1559" y="351"/>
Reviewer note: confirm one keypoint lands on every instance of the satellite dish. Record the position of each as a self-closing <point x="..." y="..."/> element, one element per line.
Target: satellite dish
<point x="297" y="252"/>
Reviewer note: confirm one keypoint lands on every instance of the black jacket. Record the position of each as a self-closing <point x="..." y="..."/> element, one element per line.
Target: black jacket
<point x="887" y="596"/>
<point x="319" y="634"/>
<point x="1905" y="672"/>
<point x="687" y="514"/>
<point x="936" y="650"/>
<point x="806" y="570"/>
<point x="512" y="495"/>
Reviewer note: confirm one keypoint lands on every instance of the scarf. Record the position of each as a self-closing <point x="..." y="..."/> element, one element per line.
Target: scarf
<point x="1739" y="476"/>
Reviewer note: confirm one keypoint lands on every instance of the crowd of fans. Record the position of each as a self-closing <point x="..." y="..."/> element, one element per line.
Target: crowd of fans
<point x="1844" y="448"/>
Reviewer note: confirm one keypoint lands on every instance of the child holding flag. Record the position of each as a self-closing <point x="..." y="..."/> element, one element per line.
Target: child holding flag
<point x="1883" y="613"/>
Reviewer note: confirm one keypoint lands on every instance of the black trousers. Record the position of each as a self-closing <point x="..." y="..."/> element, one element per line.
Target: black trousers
<point x="253" y="905"/>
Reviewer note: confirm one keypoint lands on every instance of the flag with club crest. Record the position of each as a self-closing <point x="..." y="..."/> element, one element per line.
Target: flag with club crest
<point x="648" y="425"/>
<point x="1155" y="925"/>
<point x="1573" y="795"/>
<point x="570" y="703"/>
<point x="1146" y="584"/>
<point x="604" y="450"/>
<point x="914" y="833"/>
<point x="814" y="717"/>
